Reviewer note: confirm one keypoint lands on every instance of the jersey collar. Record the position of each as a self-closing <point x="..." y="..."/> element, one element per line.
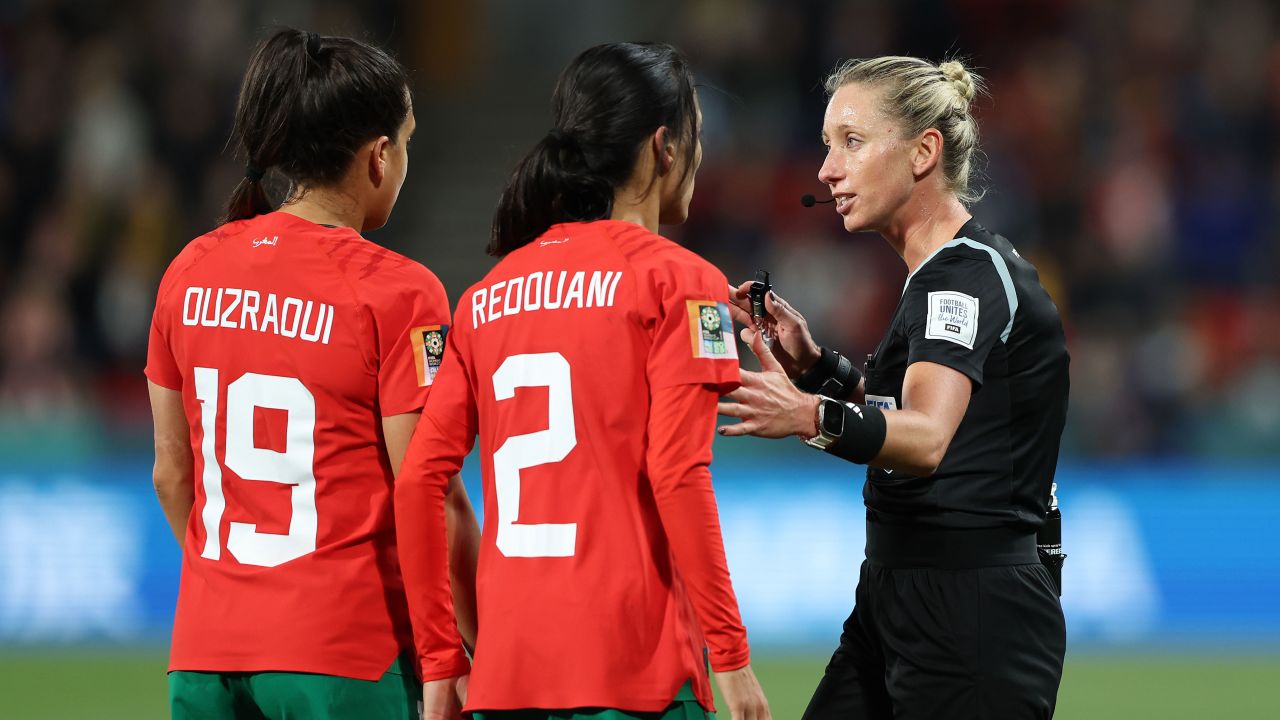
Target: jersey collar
<point x="968" y="230"/>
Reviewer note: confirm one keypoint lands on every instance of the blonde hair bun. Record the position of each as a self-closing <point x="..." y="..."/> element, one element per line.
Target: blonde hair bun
<point x="960" y="78"/>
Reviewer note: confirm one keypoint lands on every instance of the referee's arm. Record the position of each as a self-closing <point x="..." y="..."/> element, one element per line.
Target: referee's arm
<point x="934" y="400"/>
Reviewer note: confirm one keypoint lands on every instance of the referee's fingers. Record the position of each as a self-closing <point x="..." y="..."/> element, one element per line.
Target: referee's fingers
<point x="739" y="314"/>
<point x="749" y="379"/>
<point x="774" y="303"/>
<point x="737" y="410"/>
<point x="737" y="429"/>
<point x="768" y="362"/>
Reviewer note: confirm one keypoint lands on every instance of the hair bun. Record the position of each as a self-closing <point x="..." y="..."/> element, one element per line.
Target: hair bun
<point x="960" y="78"/>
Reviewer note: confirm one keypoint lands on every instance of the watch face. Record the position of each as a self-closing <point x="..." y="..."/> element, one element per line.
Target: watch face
<point x="833" y="418"/>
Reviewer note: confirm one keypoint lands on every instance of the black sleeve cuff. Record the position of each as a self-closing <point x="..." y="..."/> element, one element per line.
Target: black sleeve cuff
<point x="833" y="375"/>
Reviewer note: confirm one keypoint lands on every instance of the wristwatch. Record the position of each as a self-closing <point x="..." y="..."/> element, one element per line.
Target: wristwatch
<point x="830" y="423"/>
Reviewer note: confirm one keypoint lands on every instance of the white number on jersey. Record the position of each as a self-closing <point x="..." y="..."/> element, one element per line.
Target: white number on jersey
<point x="293" y="467"/>
<point x="549" y="370"/>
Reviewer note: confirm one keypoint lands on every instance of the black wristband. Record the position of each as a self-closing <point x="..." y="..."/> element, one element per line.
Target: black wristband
<point x="833" y="375"/>
<point x="863" y="436"/>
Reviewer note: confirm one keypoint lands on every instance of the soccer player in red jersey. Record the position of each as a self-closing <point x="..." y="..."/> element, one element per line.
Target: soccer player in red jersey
<point x="289" y="360"/>
<point x="589" y="362"/>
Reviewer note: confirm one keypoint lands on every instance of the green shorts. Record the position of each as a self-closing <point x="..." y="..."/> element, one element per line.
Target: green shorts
<point x="280" y="695"/>
<point x="684" y="707"/>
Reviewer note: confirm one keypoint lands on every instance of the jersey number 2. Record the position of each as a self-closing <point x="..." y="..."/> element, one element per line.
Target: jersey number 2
<point x="549" y="370"/>
<point x="292" y="467"/>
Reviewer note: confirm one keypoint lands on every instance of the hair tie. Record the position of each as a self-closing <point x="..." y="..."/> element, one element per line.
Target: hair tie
<point x="313" y="45"/>
<point x="254" y="174"/>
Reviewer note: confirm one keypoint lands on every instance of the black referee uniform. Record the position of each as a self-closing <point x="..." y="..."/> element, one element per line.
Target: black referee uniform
<point x="955" y="617"/>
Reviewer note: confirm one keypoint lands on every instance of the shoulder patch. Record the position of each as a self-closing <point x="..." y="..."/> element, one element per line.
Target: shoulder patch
<point x="711" y="330"/>
<point x="428" y="351"/>
<point x="952" y="316"/>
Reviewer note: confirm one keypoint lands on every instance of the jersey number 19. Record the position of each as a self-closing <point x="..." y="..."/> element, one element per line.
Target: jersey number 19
<point x="293" y="466"/>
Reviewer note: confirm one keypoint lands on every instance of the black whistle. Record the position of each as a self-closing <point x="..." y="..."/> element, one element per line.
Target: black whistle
<point x="760" y="287"/>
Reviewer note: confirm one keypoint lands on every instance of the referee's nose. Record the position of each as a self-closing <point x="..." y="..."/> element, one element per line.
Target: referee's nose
<point x="832" y="171"/>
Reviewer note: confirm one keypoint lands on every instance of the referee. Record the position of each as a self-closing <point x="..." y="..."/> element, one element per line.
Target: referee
<point x="958" y="415"/>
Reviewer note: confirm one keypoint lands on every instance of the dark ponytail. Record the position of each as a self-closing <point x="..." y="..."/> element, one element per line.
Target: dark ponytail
<point x="606" y="103"/>
<point x="307" y="104"/>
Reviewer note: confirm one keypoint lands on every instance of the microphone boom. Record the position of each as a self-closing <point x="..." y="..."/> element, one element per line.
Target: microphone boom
<point x="809" y="200"/>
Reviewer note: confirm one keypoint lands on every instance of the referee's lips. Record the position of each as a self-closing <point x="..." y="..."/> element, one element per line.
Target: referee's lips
<point x="844" y="201"/>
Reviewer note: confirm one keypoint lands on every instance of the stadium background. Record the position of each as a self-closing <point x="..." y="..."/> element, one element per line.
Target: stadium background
<point x="1133" y="155"/>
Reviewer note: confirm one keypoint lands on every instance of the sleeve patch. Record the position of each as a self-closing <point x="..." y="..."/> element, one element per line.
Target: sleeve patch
<point x="884" y="402"/>
<point x="711" y="330"/>
<point x="428" y="351"/>
<point x="953" y="316"/>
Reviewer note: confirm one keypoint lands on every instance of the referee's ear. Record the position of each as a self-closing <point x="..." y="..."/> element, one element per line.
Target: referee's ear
<point x="927" y="153"/>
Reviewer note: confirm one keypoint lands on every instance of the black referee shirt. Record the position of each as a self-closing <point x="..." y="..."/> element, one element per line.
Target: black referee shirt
<point x="977" y="306"/>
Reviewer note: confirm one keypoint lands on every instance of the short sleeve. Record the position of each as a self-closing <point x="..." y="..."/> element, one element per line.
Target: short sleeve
<point x="955" y="309"/>
<point x="412" y="320"/>
<point x="162" y="367"/>
<point x="693" y="342"/>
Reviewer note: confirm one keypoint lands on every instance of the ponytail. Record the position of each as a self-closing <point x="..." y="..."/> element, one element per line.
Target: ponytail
<point x="249" y="199"/>
<point x="607" y="102"/>
<point x="554" y="183"/>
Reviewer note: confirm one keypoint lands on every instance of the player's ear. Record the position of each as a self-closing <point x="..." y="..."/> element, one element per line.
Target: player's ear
<point x="379" y="154"/>
<point x="664" y="151"/>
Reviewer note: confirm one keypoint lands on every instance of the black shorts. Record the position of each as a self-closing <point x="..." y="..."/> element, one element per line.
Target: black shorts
<point x="985" y="642"/>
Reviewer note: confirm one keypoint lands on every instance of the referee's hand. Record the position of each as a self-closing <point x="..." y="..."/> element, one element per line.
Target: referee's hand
<point x="767" y="403"/>
<point x="793" y="345"/>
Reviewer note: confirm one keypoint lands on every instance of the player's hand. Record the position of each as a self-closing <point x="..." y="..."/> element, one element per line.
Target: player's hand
<point x="767" y="403"/>
<point x="460" y="689"/>
<point x="743" y="694"/>
<point x="443" y="699"/>
<point x="793" y="345"/>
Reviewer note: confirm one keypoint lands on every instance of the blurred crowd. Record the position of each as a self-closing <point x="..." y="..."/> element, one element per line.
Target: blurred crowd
<point x="1131" y="153"/>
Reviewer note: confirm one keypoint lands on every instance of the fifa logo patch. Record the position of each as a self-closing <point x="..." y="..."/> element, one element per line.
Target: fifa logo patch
<point x="428" y="351"/>
<point x="711" y="330"/>
<point x="884" y="402"/>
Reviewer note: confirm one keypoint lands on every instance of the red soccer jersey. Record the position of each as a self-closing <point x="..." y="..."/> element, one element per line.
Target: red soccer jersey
<point x="289" y="341"/>
<point x="595" y="586"/>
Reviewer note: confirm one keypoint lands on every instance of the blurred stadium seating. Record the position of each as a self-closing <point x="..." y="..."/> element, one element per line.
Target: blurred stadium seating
<point x="1133" y="154"/>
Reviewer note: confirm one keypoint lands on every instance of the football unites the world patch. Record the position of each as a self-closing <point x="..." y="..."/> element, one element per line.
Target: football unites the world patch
<point x="428" y="351"/>
<point x="952" y="316"/>
<point x="711" y="330"/>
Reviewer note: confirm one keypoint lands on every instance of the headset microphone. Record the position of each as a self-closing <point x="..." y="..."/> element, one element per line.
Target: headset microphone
<point x="810" y="201"/>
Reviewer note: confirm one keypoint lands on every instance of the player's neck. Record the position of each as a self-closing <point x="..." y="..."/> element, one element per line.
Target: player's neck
<point x="924" y="225"/>
<point x="324" y="206"/>
<point x="637" y="206"/>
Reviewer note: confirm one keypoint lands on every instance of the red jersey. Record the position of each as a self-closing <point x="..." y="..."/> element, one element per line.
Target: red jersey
<point x="289" y="341"/>
<point x="588" y="363"/>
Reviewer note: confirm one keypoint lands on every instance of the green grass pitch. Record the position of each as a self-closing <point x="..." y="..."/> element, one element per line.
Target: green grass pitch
<point x="53" y="685"/>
